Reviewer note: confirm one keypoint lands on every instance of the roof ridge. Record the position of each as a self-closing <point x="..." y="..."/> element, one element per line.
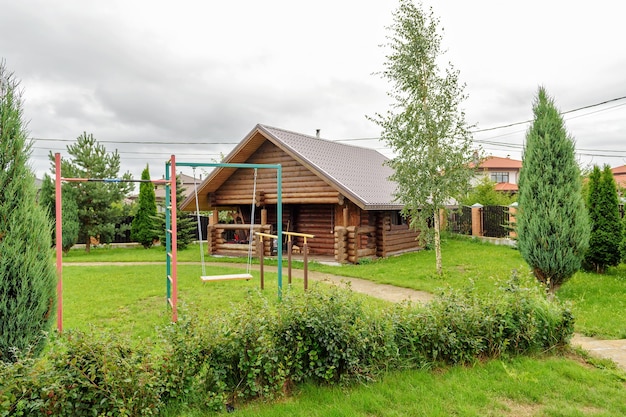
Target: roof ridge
<point x="335" y="142"/>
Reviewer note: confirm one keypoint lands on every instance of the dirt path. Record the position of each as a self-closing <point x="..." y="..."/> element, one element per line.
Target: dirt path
<point x="614" y="350"/>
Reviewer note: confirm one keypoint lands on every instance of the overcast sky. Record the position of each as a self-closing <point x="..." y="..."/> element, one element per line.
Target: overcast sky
<point x="135" y="72"/>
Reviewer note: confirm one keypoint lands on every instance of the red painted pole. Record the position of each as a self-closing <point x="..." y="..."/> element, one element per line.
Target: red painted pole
<point x="174" y="242"/>
<point x="59" y="241"/>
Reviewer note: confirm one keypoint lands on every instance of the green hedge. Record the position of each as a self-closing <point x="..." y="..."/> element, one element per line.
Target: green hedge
<point x="261" y="351"/>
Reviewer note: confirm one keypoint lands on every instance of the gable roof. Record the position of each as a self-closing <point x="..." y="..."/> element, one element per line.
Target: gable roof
<point x="360" y="174"/>
<point x="620" y="170"/>
<point x="496" y="162"/>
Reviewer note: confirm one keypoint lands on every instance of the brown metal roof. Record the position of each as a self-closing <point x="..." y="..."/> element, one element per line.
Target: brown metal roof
<point x="360" y="174"/>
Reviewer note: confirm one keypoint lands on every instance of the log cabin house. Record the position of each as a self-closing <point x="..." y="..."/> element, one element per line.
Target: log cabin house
<point x="339" y="193"/>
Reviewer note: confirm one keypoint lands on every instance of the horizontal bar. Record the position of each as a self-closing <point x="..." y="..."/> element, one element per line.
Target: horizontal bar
<point x="265" y="235"/>
<point x="226" y="165"/>
<point x="299" y="234"/>
<point x="112" y="180"/>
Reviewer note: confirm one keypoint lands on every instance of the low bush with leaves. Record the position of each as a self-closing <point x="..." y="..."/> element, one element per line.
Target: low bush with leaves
<point x="260" y="350"/>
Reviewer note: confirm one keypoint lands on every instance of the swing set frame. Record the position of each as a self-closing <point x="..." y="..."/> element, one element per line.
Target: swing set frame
<point x="170" y="224"/>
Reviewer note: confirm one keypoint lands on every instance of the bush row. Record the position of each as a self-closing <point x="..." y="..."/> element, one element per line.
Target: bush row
<point x="260" y="351"/>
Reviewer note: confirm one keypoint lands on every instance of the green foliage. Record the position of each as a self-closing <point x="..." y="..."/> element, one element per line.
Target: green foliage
<point x="606" y="228"/>
<point x="485" y="193"/>
<point x="27" y="275"/>
<point x="552" y="224"/>
<point x="185" y="225"/>
<point x="427" y="131"/>
<point x="97" y="214"/>
<point x="85" y="375"/>
<point x="325" y="336"/>
<point x="69" y="212"/>
<point x="463" y="326"/>
<point x="143" y="227"/>
<point x="622" y="247"/>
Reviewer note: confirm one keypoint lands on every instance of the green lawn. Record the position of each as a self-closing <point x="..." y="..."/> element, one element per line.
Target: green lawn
<point x="553" y="386"/>
<point x="598" y="301"/>
<point x="130" y="300"/>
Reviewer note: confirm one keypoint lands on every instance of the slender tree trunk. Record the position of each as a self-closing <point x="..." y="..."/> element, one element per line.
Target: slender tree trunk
<point x="437" y="227"/>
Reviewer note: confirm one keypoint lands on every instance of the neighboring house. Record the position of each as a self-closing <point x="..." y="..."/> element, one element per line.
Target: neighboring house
<point x="188" y="186"/>
<point x="503" y="171"/>
<point x="159" y="191"/>
<point x="619" y="173"/>
<point x="339" y="193"/>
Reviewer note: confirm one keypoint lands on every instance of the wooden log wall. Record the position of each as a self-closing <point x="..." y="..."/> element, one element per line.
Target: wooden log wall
<point x="218" y="245"/>
<point x="316" y="219"/>
<point x="341" y="244"/>
<point x="299" y="186"/>
<point x="394" y="239"/>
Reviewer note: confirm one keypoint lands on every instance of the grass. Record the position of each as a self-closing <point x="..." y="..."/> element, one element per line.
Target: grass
<point x="551" y="386"/>
<point x="130" y="299"/>
<point x="598" y="301"/>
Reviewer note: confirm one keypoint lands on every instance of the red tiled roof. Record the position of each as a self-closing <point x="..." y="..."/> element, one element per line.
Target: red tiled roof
<point x="496" y="162"/>
<point x="506" y="186"/>
<point x="619" y="170"/>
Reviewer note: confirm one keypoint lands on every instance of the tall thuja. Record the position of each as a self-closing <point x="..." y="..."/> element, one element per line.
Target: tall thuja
<point x="606" y="227"/>
<point x="185" y="225"/>
<point x="142" y="229"/>
<point x="552" y="223"/>
<point x="27" y="273"/>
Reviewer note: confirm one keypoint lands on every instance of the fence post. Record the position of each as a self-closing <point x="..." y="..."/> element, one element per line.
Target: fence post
<point x="477" y="219"/>
<point x="512" y="213"/>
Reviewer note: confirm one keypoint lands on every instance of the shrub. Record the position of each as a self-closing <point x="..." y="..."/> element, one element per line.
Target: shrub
<point x="328" y="336"/>
<point x="463" y="326"/>
<point x="259" y="350"/>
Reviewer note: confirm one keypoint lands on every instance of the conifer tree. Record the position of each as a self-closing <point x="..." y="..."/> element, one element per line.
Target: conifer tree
<point x="69" y="217"/>
<point x="27" y="274"/>
<point x="185" y="225"/>
<point x="606" y="228"/>
<point x="142" y="228"/>
<point x="552" y="223"/>
<point x="97" y="213"/>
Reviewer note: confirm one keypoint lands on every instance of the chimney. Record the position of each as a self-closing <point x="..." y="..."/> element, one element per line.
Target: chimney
<point x="317" y="133"/>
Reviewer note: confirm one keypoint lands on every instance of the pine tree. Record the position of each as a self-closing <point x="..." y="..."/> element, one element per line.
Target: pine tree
<point x="552" y="223"/>
<point x="69" y="217"/>
<point x="96" y="201"/>
<point x="606" y="227"/>
<point x="27" y="274"/>
<point x="142" y="228"/>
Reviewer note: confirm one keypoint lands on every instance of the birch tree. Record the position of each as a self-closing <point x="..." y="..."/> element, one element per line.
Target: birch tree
<point x="425" y="127"/>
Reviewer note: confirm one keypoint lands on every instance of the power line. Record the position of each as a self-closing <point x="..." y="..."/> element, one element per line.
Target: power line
<point x="562" y="113"/>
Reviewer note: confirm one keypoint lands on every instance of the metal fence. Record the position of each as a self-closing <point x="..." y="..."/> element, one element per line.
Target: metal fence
<point x="460" y="220"/>
<point x="495" y="221"/>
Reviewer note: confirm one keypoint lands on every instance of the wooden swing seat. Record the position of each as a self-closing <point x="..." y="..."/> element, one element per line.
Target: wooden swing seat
<point x="225" y="277"/>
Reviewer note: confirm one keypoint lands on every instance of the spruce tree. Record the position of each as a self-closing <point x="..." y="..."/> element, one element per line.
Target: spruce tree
<point x="27" y="273"/>
<point x="552" y="223"/>
<point x="142" y="229"/>
<point x="606" y="227"/>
